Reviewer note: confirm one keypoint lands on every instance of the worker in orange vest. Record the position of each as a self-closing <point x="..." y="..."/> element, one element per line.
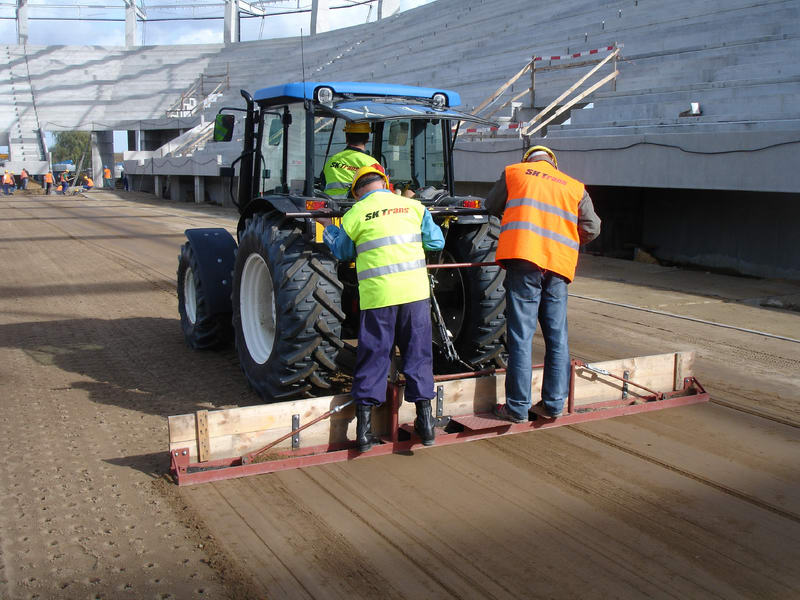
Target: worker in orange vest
<point x="23" y="179"/>
<point x="8" y="183"/>
<point x="87" y="183"/>
<point x="107" y="178"/>
<point x="546" y="216"/>
<point x="48" y="182"/>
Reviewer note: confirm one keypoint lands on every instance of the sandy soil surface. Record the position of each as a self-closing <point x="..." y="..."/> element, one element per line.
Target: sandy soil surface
<point x="702" y="501"/>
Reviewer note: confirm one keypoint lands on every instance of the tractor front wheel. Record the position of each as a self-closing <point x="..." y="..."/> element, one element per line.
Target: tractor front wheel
<point x="202" y="330"/>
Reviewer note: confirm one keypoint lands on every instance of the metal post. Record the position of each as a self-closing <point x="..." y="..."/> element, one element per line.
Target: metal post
<point x="22" y="22"/>
<point x="393" y="391"/>
<point x="319" y="16"/>
<point x="533" y="83"/>
<point x="571" y="398"/>
<point x="614" y="82"/>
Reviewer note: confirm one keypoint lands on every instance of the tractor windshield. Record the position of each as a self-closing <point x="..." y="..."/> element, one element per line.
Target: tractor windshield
<point x="411" y="150"/>
<point x="413" y="154"/>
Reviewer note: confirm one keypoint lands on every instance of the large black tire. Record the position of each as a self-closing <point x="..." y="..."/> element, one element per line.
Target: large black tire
<point x="201" y="329"/>
<point x="472" y="300"/>
<point x="287" y="312"/>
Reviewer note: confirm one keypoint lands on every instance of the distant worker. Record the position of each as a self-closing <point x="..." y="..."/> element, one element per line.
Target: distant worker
<point x="107" y="181"/>
<point x="23" y="179"/>
<point x="48" y="182"/>
<point x="8" y="183"/>
<point x="337" y="176"/>
<point x="546" y="216"/>
<point x="387" y="235"/>
<point x="87" y="183"/>
<point x="63" y="182"/>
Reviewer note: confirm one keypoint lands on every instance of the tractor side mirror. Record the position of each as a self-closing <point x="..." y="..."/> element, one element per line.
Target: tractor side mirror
<point x="223" y="128"/>
<point x="398" y="134"/>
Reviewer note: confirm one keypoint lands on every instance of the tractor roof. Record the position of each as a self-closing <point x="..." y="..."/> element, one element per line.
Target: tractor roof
<point x="289" y="92"/>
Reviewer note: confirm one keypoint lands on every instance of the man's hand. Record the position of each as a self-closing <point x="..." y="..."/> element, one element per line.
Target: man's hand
<point x="324" y="221"/>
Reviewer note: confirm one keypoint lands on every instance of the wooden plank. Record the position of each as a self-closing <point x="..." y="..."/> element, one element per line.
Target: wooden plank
<point x="684" y="366"/>
<point x="655" y="372"/>
<point x="203" y="445"/>
<point x="237" y="431"/>
<point x="253" y="418"/>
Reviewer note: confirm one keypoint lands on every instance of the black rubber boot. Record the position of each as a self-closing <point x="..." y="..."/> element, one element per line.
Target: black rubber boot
<point x="423" y="424"/>
<point x="364" y="427"/>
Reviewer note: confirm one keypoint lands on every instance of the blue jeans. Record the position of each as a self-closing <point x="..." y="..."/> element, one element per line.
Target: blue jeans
<point x="531" y="295"/>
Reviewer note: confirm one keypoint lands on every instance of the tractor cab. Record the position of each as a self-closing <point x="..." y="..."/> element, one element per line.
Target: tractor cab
<point x="292" y="130"/>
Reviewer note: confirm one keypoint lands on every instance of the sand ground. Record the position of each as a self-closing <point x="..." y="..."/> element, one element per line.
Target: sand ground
<point x="701" y="501"/>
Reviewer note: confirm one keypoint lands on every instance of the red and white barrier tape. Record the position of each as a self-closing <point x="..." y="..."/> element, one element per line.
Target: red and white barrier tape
<point x="576" y="55"/>
<point x="504" y="127"/>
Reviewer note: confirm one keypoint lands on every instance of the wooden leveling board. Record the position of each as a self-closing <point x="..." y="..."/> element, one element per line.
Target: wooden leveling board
<point x="236" y="431"/>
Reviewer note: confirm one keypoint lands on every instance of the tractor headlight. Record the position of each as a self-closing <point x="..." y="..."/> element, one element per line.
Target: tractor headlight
<point x="439" y="100"/>
<point x="324" y="95"/>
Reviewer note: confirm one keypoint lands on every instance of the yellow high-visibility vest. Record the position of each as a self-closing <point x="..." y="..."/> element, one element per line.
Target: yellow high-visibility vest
<point x="390" y="261"/>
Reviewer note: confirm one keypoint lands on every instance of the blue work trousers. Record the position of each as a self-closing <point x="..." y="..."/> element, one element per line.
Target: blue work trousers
<point x="533" y="294"/>
<point x="409" y="327"/>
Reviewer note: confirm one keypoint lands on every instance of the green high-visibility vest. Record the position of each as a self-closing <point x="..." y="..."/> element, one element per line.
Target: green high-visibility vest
<point x="390" y="262"/>
<point x="340" y="169"/>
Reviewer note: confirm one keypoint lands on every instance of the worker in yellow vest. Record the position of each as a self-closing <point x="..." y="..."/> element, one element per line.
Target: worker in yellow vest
<point x="107" y="183"/>
<point x="337" y="176"/>
<point x="388" y="234"/>
<point x="546" y="216"/>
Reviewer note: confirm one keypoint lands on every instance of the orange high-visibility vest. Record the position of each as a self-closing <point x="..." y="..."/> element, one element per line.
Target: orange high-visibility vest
<point x="540" y="221"/>
<point x="106" y="173"/>
<point x="48" y="178"/>
<point x="8" y="178"/>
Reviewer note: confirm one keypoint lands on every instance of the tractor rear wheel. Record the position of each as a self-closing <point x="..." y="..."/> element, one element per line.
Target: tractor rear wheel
<point x="202" y="330"/>
<point x="286" y="310"/>
<point x="472" y="300"/>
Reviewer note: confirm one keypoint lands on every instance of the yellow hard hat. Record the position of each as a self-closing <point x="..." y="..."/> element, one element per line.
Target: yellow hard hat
<point x="544" y="149"/>
<point x="357" y="127"/>
<point x="366" y="171"/>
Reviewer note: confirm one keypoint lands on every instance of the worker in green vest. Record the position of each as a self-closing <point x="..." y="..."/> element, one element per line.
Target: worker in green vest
<point x="388" y="235"/>
<point x="337" y="176"/>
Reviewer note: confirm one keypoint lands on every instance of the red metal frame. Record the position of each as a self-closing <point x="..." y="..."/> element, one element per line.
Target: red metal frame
<point x="215" y="470"/>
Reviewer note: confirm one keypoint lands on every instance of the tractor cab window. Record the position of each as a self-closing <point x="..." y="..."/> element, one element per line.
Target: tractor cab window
<point x="329" y="139"/>
<point x="284" y="135"/>
<point x="413" y="153"/>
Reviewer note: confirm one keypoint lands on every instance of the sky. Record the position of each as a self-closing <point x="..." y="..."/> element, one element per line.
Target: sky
<point x="71" y="22"/>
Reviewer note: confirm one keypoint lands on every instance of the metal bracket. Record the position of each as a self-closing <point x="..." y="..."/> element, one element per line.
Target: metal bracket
<point x="439" y="420"/>
<point x="625" y="375"/>
<point x="296" y="436"/>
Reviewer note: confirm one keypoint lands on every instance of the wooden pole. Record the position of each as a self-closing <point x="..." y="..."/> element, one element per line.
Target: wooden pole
<point x="572" y="102"/>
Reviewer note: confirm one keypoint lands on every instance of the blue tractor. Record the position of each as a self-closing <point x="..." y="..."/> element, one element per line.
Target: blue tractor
<point x="290" y="306"/>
